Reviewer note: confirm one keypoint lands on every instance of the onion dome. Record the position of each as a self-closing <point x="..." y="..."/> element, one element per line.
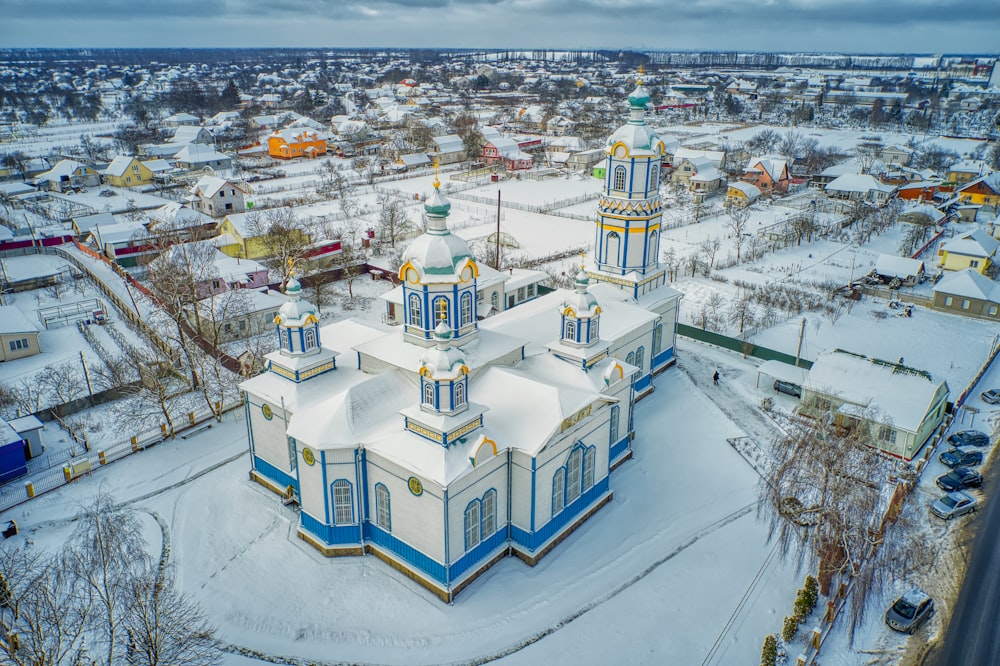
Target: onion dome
<point x="581" y="303"/>
<point x="295" y="311"/>
<point x="637" y="138"/>
<point x="437" y="253"/>
<point x="442" y="361"/>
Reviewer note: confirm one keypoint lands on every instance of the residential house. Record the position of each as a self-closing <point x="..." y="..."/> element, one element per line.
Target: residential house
<point x="908" y="271"/>
<point x="983" y="191"/>
<point x="767" y="174"/>
<point x="969" y="293"/>
<point x="83" y="225"/>
<point x="13" y="461"/>
<point x="584" y="159"/>
<point x="505" y="151"/>
<point x="66" y="175"/>
<point x="181" y="120"/>
<point x="895" y="156"/>
<point x="127" y="171"/>
<point x="900" y="407"/>
<point x="288" y="144"/>
<point x="741" y="194"/>
<point x="715" y="158"/>
<point x="923" y="214"/>
<point x="216" y="197"/>
<point x="967" y="170"/>
<point x="18" y="335"/>
<point x="860" y="187"/>
<point x="922" y="190"/>
<point x="704" y="181"/>
<point x="448" y="149"/>
<point x="215" y="271"/>
<point x="242" y="235"/>
<point x="972" y="249"/>
<point x="187" y="134"/>
<point x="235" y="315"/>
<point x="558" y="125"/>
<point x="523" y="285"/>
<point x="412" y="161"/>
<point x="181" y="222"/>
<point x="196" y="156"/>
<point x="126" y="243"/>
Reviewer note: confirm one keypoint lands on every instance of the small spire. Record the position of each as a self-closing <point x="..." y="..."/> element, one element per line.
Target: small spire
<point x="639" y="82"/>
<point x="583" y="259"/>
<point x="437" y="183"/>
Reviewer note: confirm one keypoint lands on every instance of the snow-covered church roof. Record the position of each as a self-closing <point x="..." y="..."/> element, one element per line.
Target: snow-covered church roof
<point x="636" y="136"/>
<point x="438" y="255"/>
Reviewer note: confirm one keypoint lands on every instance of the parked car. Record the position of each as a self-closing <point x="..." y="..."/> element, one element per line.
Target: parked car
<point x="991" y="397"/>
<point x="964" y="456"/>
<point x="788" y="388"/>
<point x="953" y="505"/>
<point x="910" y="611"/>
<point x="969" y="438"/>
<point x="959" y="479"/>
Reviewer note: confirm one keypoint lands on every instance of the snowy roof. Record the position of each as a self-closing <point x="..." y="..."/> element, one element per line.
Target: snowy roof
<point x="62" y="168"/>
<point x="158" y="166"/>
<point x="901" y="396"/>
<point x="921" y="211"/>
<point x="198" y="152"/>
<point x="13" y="320"/>
<point x="119" y="165"/>
<point x="480" y="352"/>
<point x="775" y="167"/>
<point x="706" y="174"/>
<point x="187" y="134"/>
<point x="969" y="283"/>
<point x="520" y="277"/>
<point x="7" y="434"/>
<point x="86" y="223"/>
<point x="751" y="191"/>
<point x="975" y="243"/>
<point x="13" y="189"/>
<point x="119" y="232"/>
<point x="177" y="216"/>
<point x="238" y="302"/>
<point x="714" y="156"/>
<point x="414" y="159"/>
<point x="900" y="267"/>
<point x="991" y="182"/>
<point x="209" y="186"/>
<point x="858" y="182"/>
<point x="450" y="143"/>
<point x="786" y="372"/>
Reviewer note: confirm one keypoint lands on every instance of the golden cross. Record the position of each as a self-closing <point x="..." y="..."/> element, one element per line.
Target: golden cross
<point x="437" y="183"/>
<point x="639" y="82"/>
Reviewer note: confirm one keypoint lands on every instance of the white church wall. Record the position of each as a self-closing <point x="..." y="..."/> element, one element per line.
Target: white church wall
<point x="269" y="441"/>
<point x="520" y="489"/>
<point x="417" y="520"/>
<point x="312" y="493"/>
<point x="488" y="475"/>
<point x="629" y="343"/>
<point x="594" y="432"/>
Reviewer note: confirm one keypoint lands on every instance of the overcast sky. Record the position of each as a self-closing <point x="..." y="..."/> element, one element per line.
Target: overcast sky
<point x="856" y="26"/>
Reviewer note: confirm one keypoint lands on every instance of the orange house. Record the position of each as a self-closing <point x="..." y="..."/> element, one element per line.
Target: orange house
<point x="288" y="144"/>
<point x="768" y="174"/>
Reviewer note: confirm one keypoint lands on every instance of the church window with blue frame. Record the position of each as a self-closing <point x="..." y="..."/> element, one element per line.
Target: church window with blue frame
<point x="495" y="300"/>
<point x="489" y="511"/>
<point x="293" y="460"/>
<point x="612" y="247"/>
<point x="343" y="503"/>
<point x="466" y="309"/>
<point x="382" y="516"/>
<point x="652" y="247"/>
<point x="595" y="332"/>
<point x="559" y="490"/>
<point x="654" y="178"/>
<point x="310" y="337"/>
<point x="657" y="339"/>
<point x="570" y="330"/>
<point x="619" y="178"/>
<point x="615" y="416"/>
<point x="459" y="393"/>
<point x="472" y="535"/>
<point x="414" y="319"/>
<point x="284" y="338"/>
<point x="640" y="358"/>
<point x="630" y="358"/>
<point x="428" y="393"/>
<point x="589" y="460"/>
<point x="440" y="309"/>
<point x="573" y="468"/>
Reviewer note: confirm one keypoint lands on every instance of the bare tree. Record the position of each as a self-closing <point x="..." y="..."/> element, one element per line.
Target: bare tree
<point x="671" y="262"/>
<point x="393" y="222"/>
<point x="708" y="248"/>
<point x="741" y="310"/>
<point x="868" y="150"/>
<point x="739" y="216"/>
<point x="284" y="236"/>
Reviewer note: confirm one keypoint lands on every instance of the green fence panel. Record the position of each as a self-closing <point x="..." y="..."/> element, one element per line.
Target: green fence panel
<point x="740" y="346"/>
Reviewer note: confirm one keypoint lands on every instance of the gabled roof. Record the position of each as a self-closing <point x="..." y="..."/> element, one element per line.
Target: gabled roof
<point x="975" y="243"/>
<point x="119" y="165"/>
<point x="209" y="186"/>
<point x="969" y="283"/>
<point x="194" y="153"/>
<point x="991" y="182"/>
<point x="859" y="182"/>
<point x="13" y="320"/>
<point x="751" y="192"/>
<point x="899" y="267"/>
<point x="774" y="167"/>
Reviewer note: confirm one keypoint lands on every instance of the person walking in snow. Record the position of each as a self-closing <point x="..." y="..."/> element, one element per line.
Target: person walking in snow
<point x="715" y="378"/>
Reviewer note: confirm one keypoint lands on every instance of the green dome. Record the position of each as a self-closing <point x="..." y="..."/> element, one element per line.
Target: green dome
<point x="436" y="204"/>
<point x="639" y="98"/>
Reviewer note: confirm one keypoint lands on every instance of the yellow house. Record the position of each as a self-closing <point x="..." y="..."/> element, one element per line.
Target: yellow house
<point x="243" y="235"/>
<point x="18" y="335"/>
<point x="126" y="171"/>
<point x="966" y="171"/>
<point x="983" y="191"/>
<point x="973" y="249"/>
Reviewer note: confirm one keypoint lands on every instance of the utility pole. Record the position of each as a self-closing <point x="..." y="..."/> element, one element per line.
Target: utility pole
<point x="496" y="263"/>
<point x="798" y="349"/>
<point x="86" y="374"/>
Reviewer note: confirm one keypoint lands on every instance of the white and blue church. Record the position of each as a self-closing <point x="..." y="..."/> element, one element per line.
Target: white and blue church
<point x="449" y="442"/>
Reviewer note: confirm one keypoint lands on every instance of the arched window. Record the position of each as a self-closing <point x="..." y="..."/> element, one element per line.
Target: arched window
<point x="466" y="308"/>
<point x="620" y="179"/>
<point x="615" y="417"/>
<point x="310" y="338"/>
<point x="472" y="525"/>
<point x="570" y="333"/>
<point x="293" y="460"/>
<point x="283" y="338"/>
<point x="428" y="393"/>
<point x="654" y="178"/>
<point x="382" y="518"/>
<point x="612" y="246"/>
<point x="414" y="318"/>
<point x="630" y="358"/>
<point x="343" y="503"/>
<point x="652" y="247"/>
<point x="589" y="459"/>
<point x="640" y="358"/>
<point x="489" y="514"/>
<point x="495" y="300"/>
<point x="595" y="331"/>
<point x="559" y="490"/>
<point x="657" y="339"/>
<point x="459" y="393"/>
<point x="574" y="466"/>
<point x="440" y="309"/>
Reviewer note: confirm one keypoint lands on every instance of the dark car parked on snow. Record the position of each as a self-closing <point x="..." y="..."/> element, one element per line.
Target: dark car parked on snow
<point x="910" y="611"/>
<point x="961" y="457"/>
<point x="959" y="479"/>
<point x="969" y="438"/>
<point x="788" y="388"/>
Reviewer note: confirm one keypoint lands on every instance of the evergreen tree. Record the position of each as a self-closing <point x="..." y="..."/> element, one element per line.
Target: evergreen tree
<point x="230" y="96"/>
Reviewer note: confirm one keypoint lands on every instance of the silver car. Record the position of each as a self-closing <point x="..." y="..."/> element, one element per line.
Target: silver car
<point x="953" y="505"/>
<point x="910" y="611"/>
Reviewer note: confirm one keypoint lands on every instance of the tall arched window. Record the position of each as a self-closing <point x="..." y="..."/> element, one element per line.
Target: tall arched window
<point x="343" y="503"/>
<point x="595" y="331"/>
<point x="428" y="393"/>
<point x="495" y="300"/>
<point x="640" y="358"/>
<point x="310" y="338"/>
<point x="574" y="466"/>
<point x="459" y="393"/>
<point x="559" y="490"/>
<point x="620" y="178"/>
<point x="652" y="247"/>
<point x="489" y="510"/>
<point x="466" y="309"/>
<point x="630" y="358"/>
<point x="615" y="417"/>
<point x="612" y="246"/>
<point x="440" y="309"/>
<point x="589" y="460"/>
<point x="414" y="318"/>
<point x="382" y="518"/>
<point x="654" y="178"/>
<point x="293" y="458"/>
<point x="570" y="333"/>
<point x="657" y="339"/>
<point x="472" y="525"/>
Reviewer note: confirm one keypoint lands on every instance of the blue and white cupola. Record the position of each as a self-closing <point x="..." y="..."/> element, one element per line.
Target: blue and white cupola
<point x="627" y="237"/>
<point x="581" y="315"/>
<point x="439" y="275"/>
<point x="301" y="354"/>
<point x="445" y="415"/>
